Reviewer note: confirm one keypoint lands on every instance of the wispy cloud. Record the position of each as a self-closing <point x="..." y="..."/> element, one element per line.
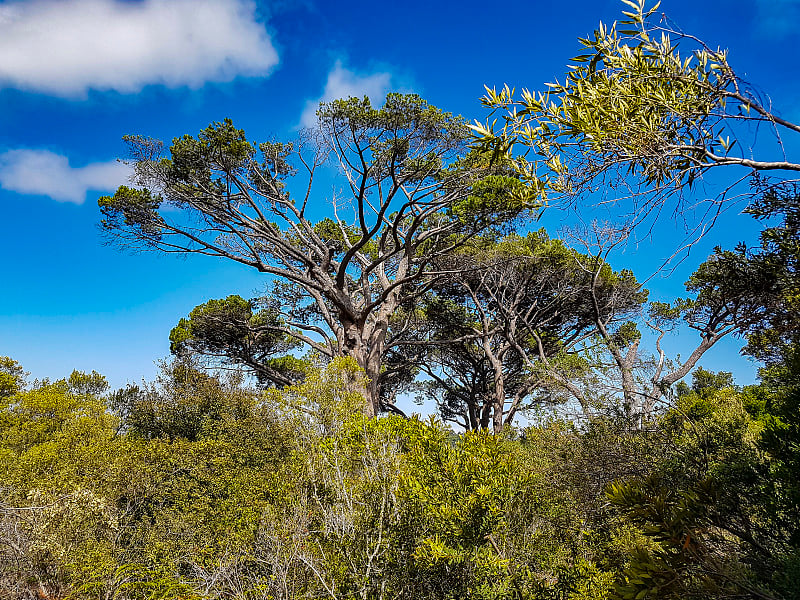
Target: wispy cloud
<point x="66" y="47"/>
<point x="344" y="83"/>
<point x="777" y="17"/>
<point x="45" y="173"/>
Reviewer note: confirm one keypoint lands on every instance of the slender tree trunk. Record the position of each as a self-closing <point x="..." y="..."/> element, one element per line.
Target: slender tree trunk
<point x="486" y="413"/>
<point x="472" y="413"/>
<point x="499" y="396"/>
<point x="499" y="405"/>
<point x="629" y="392"/>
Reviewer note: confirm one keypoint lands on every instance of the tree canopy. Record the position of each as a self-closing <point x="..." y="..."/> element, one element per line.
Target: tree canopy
<point x="419" y="274"/>
<point x="644" y="111"/>
<point x="411" y="193"/>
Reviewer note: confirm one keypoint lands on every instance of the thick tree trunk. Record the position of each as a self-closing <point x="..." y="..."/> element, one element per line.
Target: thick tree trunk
<point x="367" y="350"/>
<point x="372" y="392"/>
<point x="366" y="390"/>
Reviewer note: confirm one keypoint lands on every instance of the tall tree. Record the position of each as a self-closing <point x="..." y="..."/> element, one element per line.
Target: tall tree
<point x="748" y="291"/>
<point x="12" y="377"/>
<point x="511" y="311"/>
<point x="409" y="197"/>
<point x="763" y="281"/>
<point x="621" y="372"/>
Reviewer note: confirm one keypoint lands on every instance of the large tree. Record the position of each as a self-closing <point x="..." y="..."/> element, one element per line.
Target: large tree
<point x="512" y="310"/>
<point x="762" y="282"/>
<point x="749" y="291"/>
<point x="526" y="319"/>
<point x="408" y="195"/>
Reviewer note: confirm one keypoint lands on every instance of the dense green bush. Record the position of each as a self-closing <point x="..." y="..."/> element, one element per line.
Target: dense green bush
<point x="198" y="487"/>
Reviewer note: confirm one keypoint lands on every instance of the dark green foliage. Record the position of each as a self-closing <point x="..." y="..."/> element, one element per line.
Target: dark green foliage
<point x="410" y="197"/>
<point x="235" y="332"/>
<point x="198" y="486"/>
<point x="128" y="207"/>
<point x="721" y="507"/>
<point x="775" y="403"/>
<point x="706" y="383"/>
<point x="183" y="403"/>
<point x="514" y="317"/>
<point x="776" y="334"/>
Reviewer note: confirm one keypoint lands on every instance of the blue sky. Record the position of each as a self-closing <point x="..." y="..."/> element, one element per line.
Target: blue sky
<point x="77" y="75"/>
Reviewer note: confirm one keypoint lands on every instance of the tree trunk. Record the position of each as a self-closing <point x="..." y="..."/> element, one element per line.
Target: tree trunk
<point x="367" y="351"/>
<point x="498" y="404"/>
<point x="499" y="397"/>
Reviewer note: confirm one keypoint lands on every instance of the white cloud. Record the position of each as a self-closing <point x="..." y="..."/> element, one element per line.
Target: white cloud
<point x="45" y="173"/>
<point x="66" y="47"/>
<point x="343" y="83"/>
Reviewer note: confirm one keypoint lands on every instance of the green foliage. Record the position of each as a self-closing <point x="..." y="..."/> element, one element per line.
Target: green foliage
<point x="94" y="513"/>
<point x="706" y="383"/>
<point x="212" y="490"/>
<point x="218" y="147"/>
<point x="129" y="207"/>
<point x="716" y="507"/>
<point x="676" y="522"/>
<point x="208" y="489"/>
<point x="643" y="111"/>
<point x="183" y="403"/>
<point x="499" y="197"/>
<point x="775" y="403"/>
<point x="12" y="377"/>
<point x="54" y="453"/>
<point x="235" y="332"/>
<point x="772" y="327"/>
<point x="515" y="314"/>
<point x="630" y="97"/>
<point x="456" y="494"/>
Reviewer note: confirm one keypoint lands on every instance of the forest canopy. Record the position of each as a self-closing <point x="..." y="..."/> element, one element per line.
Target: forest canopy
<point x="571" y="456"/>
